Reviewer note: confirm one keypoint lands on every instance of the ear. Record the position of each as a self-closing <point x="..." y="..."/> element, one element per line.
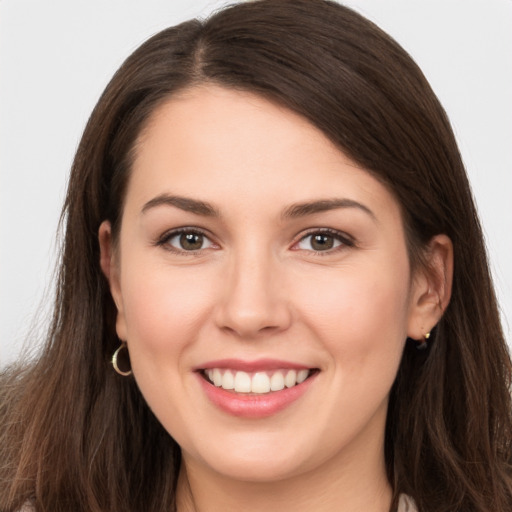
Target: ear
<point x="431" y="288"/>
<point x="109" y="263"/>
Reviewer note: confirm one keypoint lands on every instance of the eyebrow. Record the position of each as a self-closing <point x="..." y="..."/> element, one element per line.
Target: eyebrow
<point x="183" y="203"/>
<point x="324" y="205"/>
<point x="293" y="211"/>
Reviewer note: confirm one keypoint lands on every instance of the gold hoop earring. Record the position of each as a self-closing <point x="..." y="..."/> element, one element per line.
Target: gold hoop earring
<point x="120" y="361"/>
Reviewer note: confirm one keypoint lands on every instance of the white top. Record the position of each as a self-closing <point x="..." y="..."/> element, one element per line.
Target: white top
<point x="406" y="504"/>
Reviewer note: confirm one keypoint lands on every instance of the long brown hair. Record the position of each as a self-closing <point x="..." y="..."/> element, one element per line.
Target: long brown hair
<point x="74" y="435"/>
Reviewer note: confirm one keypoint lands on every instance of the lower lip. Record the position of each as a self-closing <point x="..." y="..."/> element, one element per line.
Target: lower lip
<point x="254" y="406"/>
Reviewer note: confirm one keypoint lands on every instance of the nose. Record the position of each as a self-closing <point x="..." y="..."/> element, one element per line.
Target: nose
<point x="254" y="299"/>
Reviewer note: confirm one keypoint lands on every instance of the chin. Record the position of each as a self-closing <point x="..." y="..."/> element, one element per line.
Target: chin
<point x="258" y="457"/>
<point x="263" y="469"/>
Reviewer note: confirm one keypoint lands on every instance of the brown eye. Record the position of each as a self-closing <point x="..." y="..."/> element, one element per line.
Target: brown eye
<point x="323" y="241"/>
<point x="191" y="241"/>
<point x="188" y="241"/>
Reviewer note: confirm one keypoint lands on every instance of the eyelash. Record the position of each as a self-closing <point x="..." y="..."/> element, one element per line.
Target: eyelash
<point x="164" y="240"/>
<point x="344" y="239"/>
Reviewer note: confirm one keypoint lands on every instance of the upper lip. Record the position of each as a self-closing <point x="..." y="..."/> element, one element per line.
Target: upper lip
<point x="252" y="366"/>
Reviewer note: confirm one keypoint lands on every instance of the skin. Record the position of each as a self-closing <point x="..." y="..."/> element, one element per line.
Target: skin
<point x="258" y="288"/>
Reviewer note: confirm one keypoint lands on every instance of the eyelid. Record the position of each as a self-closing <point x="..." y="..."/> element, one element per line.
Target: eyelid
<point x="163" y="240"/>
<point x="345" y="239"/>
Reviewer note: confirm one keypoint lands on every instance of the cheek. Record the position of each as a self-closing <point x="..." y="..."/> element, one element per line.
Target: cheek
<point x="360" y="311"/>
<point x="162" y="308"/>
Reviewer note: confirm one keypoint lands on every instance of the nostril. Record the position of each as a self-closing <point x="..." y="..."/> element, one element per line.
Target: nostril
<point x="253" y="321"/>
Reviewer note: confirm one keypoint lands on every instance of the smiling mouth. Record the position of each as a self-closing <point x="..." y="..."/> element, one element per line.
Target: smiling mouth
<point x="257" y="383"/>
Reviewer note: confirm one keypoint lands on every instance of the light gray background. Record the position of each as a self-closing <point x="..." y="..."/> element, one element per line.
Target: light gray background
<point x="57" y="56"/>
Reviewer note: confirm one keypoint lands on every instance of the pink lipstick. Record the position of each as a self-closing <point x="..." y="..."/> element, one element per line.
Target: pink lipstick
<point x="254" y="389"/>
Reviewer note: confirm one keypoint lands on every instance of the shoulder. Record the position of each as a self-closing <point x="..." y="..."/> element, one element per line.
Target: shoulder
<point x="405" y="504"/>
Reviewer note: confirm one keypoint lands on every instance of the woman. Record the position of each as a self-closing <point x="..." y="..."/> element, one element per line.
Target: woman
<point x="270" y="233"/>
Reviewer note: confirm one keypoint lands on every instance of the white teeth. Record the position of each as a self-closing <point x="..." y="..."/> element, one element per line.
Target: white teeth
<point x="228" y="380"/>
<point x="302" y="375"/>
<point x="242" y="382"/>
<point x="259" y="382"/>
<point x="217" y="377"/>
<point x="291" y="378"/>
<point x="277" y="382"/>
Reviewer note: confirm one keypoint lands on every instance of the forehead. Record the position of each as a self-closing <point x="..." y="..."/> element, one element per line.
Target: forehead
<point x="219" y="144"/>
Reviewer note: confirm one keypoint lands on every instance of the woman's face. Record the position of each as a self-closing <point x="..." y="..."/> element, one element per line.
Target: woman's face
<point x="255" y="254"/>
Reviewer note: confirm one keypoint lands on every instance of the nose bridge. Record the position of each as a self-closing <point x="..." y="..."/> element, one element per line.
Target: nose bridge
<point x="254" y="299"/>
